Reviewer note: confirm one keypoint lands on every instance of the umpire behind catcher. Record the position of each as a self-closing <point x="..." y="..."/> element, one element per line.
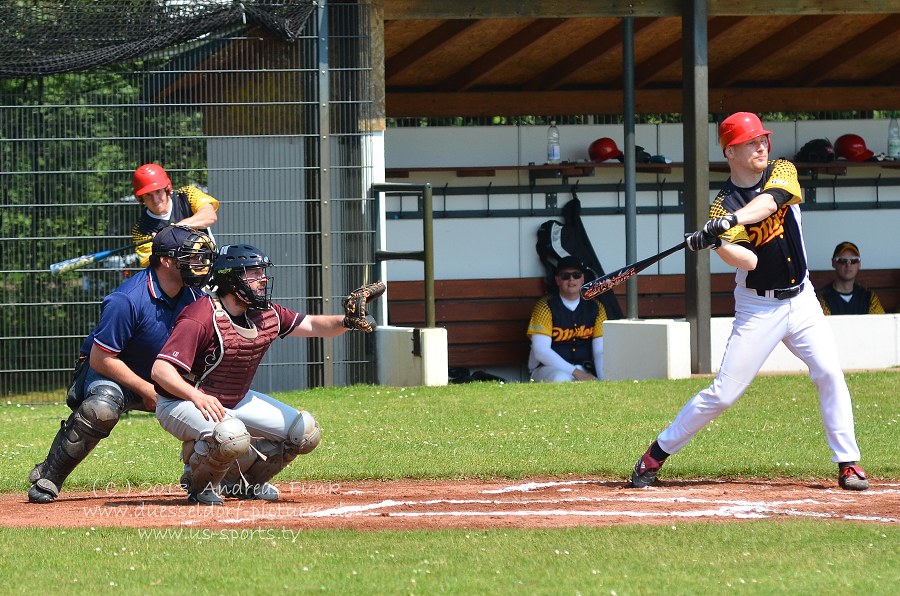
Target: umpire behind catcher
<point x="112" y="375"/>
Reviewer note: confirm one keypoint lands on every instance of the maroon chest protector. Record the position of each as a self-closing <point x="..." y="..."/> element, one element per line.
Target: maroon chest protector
<point x="240" y="351"/>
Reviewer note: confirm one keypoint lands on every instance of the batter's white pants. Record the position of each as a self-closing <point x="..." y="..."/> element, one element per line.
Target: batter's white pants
<point x="263" y="415"/>
<point x="759" y="324"/>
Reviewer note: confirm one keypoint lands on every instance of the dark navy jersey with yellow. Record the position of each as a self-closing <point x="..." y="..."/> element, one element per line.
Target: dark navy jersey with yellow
<point x="777" y="240"/>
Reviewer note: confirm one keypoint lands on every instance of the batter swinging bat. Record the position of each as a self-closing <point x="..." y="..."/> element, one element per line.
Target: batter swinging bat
<point x="594" y="288"/>
<point x="85" y="260"/>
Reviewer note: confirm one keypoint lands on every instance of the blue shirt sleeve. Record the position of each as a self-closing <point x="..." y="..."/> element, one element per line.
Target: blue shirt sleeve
<point x="118" y="321"/>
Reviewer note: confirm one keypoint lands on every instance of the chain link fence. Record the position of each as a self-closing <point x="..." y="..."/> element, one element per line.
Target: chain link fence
<point x="267" y="106"/>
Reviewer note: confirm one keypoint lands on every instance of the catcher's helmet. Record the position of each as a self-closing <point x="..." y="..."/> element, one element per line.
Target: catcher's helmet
<point x="852" y="147"/>
<point x="603" y="149"/>
<point x="149" y="177"/>
<point x="194" y="252"/>
<point x="741" y="127"/>
<point x="815" y="151"/>
<point x="229" y="271"/>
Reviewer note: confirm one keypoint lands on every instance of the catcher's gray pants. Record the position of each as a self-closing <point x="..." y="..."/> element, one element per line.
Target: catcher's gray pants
<point x="264" y="416"/>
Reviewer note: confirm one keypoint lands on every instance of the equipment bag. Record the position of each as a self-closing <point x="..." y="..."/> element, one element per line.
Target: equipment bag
<point x="556" y="240"/>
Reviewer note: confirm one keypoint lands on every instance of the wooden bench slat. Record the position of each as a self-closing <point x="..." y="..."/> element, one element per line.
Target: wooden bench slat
<point x="486" y="319"/>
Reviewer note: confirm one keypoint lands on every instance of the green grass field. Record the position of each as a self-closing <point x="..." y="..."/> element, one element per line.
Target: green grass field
<point x="486" y="430"/>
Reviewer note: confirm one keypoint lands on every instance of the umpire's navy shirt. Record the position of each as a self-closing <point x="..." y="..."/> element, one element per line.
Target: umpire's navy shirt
<point x="136" y="319"/>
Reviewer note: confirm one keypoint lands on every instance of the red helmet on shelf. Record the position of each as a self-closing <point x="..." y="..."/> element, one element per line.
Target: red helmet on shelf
<point x="149" y="177"/>
<point x="852" y="147"/>
<point x="602" y="149"/>
<point x="741" y="127"/>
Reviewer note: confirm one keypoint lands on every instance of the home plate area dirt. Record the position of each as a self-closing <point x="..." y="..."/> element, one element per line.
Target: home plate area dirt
<point x="425" y="504"/>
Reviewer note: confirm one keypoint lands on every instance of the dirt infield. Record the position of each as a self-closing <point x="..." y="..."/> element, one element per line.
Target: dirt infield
<point x="416" y="504"/>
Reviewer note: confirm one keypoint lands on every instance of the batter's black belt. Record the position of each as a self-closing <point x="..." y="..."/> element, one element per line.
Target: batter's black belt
<point x="784" y="294"/>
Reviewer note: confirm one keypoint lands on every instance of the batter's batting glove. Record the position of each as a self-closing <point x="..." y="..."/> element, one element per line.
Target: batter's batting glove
<point x="700" y="240"/>
<point x="720" y="225"/>
<point x="355" y="314"/>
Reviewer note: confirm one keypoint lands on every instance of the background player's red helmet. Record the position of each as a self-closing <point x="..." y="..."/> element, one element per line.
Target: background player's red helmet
<point x="852" y="147"/>
<point x="741" y="127"/>
<point x="149" y="177"/>
<point x="603" y="149"/>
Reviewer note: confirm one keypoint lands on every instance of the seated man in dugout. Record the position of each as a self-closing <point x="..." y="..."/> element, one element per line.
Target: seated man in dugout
<point x="844" y="296"/>
<point x="566" y="331"/>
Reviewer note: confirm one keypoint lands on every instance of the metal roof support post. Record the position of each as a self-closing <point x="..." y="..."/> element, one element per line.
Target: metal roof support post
<point x="426" y="255"/>
<point x="631" y="286"/>
<point x="696" y="178"/>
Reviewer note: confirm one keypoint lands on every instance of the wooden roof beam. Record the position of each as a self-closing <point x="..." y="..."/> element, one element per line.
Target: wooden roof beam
<point x="608" y="41"/>
<point x="793" y="34"/>
<point x="536" y="9"/>
<point x="644" y="72"/>
<point x="424" y="46"/>
<point x="468" y="76"/>
<point x="820" y="69"/>
<point x="515" y="102"/>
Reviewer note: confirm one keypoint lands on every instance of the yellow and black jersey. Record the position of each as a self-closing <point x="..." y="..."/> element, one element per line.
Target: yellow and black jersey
<point x="861" y="301"/>
<point x="571" y="331"/>
<point x="776" y="240"/>
<point x="186" y="201"/>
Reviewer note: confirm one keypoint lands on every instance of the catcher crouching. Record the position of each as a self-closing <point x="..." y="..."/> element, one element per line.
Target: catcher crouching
<point x="235" y="439"/>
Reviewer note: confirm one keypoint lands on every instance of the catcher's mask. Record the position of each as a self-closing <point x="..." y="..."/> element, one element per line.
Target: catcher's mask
<point x="238" y="269"/>
<point x="193" y="250"/>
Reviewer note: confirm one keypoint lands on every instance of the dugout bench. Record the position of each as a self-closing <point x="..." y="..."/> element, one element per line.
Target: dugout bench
<point x="486" y="319"/>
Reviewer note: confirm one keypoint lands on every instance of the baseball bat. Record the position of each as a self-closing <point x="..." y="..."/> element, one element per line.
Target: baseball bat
<point x="594" y="288"/>
<point x="85" y="260"/>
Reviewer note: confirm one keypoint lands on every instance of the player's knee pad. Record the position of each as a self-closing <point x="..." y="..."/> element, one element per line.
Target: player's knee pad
<point x="304" y="433"/>
<point x="99" y="413"/>
<point x="215" y="453"/>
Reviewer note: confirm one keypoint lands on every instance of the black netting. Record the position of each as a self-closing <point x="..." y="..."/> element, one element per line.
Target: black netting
<point x="41" y="38"/>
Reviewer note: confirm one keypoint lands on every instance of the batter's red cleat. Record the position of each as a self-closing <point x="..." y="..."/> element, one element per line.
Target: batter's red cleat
<point x="645" y="471"/>
<point x="853" y="477"/>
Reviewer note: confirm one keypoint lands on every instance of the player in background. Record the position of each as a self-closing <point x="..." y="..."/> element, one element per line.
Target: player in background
<point x="566" y="331"/>
<point x="112" y="375"/>
<point x="755" y="228"/>
<point x="188" y="206"/>
<point x="204" y="372"/>
<point x="844" y="296"/>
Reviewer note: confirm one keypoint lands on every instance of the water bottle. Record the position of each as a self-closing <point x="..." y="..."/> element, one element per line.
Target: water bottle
<point x="893" y="146"/>
<point x="553" y="155"/>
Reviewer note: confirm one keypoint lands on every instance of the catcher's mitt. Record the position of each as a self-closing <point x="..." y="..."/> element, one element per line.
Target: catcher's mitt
<point x="355" y="314"/>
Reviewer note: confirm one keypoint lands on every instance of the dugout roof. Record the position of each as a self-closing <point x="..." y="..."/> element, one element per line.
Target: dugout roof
<point x="511" y="57"/>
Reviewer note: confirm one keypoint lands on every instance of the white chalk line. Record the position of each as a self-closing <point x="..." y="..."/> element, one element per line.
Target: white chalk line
<point x="732" y="508"/>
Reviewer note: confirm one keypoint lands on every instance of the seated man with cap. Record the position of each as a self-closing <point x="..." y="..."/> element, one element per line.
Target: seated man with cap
<point x="566" y="331"/>
<point x="844" y="296"/>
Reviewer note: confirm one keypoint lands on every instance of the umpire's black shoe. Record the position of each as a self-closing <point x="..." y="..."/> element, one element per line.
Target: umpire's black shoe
<point x="645" y="471"/>
<point x="853" y="477"/>
<point x="43" y="491"/>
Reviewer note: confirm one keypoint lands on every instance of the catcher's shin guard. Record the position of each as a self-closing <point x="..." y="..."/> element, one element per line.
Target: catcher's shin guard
<point x="92" y="421"/>
<point x="249" y="477"/>
<point x="214" y="454"/>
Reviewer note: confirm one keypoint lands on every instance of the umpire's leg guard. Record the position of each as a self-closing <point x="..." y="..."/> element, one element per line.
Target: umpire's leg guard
<point x="92" y="421"/>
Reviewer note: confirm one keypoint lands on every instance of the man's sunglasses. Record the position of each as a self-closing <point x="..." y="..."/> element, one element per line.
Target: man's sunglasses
<point x="567" y="275"/>
<point x="846" y="260"/>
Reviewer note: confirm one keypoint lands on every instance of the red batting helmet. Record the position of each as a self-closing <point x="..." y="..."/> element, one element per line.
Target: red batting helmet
<point x="852" y="147"/>
<point x="740" y="128"/>
<point x="149" y="177"/>
<point x="603" y="149"/>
